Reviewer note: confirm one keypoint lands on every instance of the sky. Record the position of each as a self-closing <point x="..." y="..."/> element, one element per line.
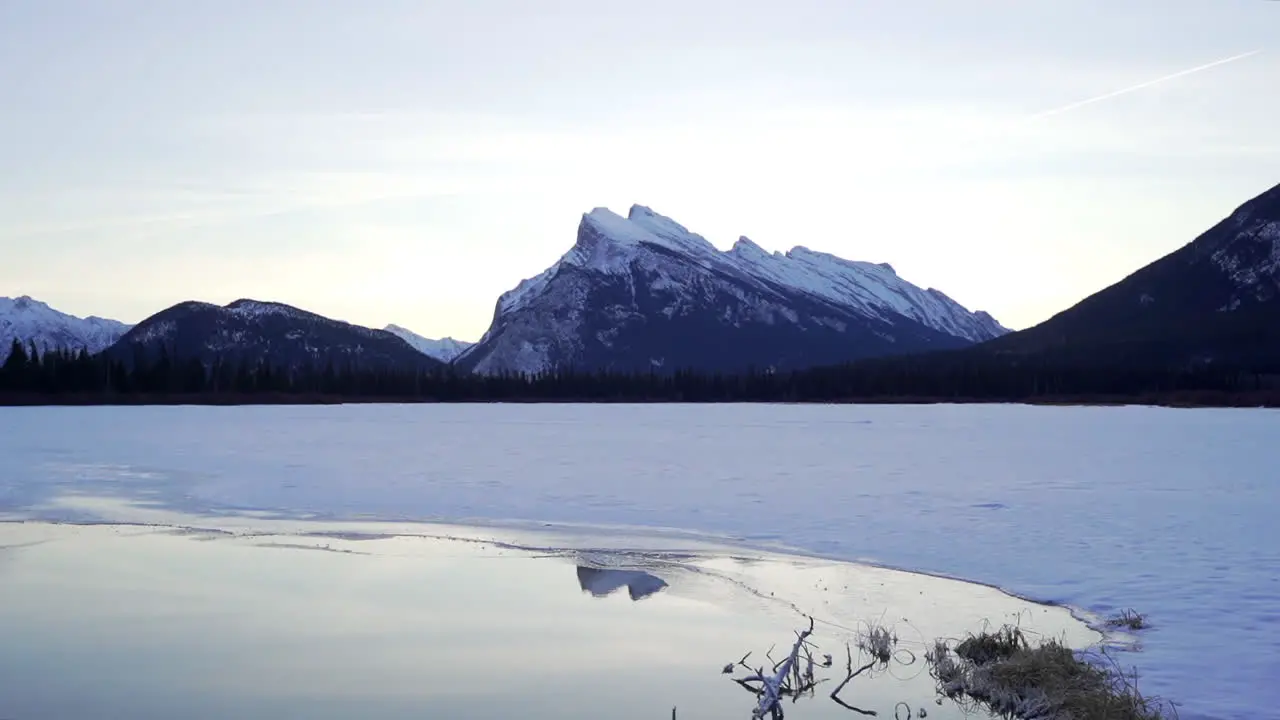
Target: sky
<point x="407" y="161"/>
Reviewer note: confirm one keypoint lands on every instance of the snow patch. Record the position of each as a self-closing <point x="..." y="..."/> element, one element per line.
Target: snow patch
<point x="1252" y="260"/>
<point x="256" y="309"/>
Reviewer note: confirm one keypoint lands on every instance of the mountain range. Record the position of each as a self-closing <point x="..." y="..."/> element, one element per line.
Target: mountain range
<point x="634" y="293"/>
<point x="642" y="292"/>
<point x="196" y="329"/>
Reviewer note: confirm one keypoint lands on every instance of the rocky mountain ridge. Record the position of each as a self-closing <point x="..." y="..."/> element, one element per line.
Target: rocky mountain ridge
<point x="644" y="292"/>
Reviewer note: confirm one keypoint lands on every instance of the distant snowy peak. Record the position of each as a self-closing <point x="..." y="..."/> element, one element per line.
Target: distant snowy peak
<point x="444" y="349"/>
<point x="609" y="243"/>
<point x="644" y="291"/>
<point x="29" y="320"/>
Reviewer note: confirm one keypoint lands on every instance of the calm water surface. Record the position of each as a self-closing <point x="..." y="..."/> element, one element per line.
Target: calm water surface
<point x="106" y="621"/>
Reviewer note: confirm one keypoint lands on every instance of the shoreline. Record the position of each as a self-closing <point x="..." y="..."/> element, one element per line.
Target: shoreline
<point x="1184" y="400"/>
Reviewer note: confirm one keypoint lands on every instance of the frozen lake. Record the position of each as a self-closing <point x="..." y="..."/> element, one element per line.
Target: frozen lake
<point x="318" y="621"/>
<point x="1170" y="512"/>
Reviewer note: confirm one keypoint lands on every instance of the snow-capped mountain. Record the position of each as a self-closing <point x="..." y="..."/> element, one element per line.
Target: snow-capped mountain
<point x="254" y="331"/>
<point x="1216" y="298"/>
<point x="444" y="349"/>
<point x="644" y="292"/>
<point x="29" y="320"/>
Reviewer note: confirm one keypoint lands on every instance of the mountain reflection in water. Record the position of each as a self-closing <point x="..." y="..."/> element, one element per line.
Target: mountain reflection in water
<point x="317" y="620"/>
<point x="603" y="582"/>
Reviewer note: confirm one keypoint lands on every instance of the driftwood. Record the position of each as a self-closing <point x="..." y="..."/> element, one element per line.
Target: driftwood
<point x="792" y="677"/>
<point x="795" y="676"/>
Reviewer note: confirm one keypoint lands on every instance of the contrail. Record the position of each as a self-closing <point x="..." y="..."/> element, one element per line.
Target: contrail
<point x="1140" y="86"/>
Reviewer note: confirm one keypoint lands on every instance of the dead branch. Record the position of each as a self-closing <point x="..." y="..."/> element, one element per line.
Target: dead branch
<point x="849" y="676"/>
<point x="773" y="686"/>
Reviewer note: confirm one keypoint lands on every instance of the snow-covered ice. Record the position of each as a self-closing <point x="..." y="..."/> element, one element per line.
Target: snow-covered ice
<point x="319" y="621"/>
<point x="1170" y="512"/>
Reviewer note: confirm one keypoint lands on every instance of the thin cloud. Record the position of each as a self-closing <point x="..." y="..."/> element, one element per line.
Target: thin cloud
<point x="1141" y="86"/>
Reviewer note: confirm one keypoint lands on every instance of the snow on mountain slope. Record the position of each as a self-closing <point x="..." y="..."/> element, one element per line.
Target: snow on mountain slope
<point x="444" y="349"/>
<point x="29" y="320"/>
<point x="608" y="243"/>
<point x="1248" y="250"/>
<point x="872" y="288"/>
<point x="629" y="286"/>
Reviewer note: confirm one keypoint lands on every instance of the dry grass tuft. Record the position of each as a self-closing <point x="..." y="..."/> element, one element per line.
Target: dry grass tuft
<point x="1130" y="620"/>
<point x="1044" y="682"/>
<point x="878" y="642"/>
<point x="989" y="647"/>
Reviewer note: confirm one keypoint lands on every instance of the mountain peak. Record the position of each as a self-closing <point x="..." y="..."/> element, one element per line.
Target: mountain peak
<point x="644" y="291"/>
<point x="248" y="303"/>
<point x="29" y="320"/>
<point x="445" y="349"/>
<point x="642" y="226"/>
<point x="258" y="308"/>
<point x="254" y="331"/>
<point x="655" y="222"/>
<point x="745" y="247"/>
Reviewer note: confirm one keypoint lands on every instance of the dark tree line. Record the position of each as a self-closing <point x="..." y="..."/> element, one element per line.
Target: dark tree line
<point x="29" y="377"/>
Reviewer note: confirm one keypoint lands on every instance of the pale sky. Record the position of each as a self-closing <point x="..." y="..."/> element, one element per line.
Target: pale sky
<point x="407" y="161"/>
